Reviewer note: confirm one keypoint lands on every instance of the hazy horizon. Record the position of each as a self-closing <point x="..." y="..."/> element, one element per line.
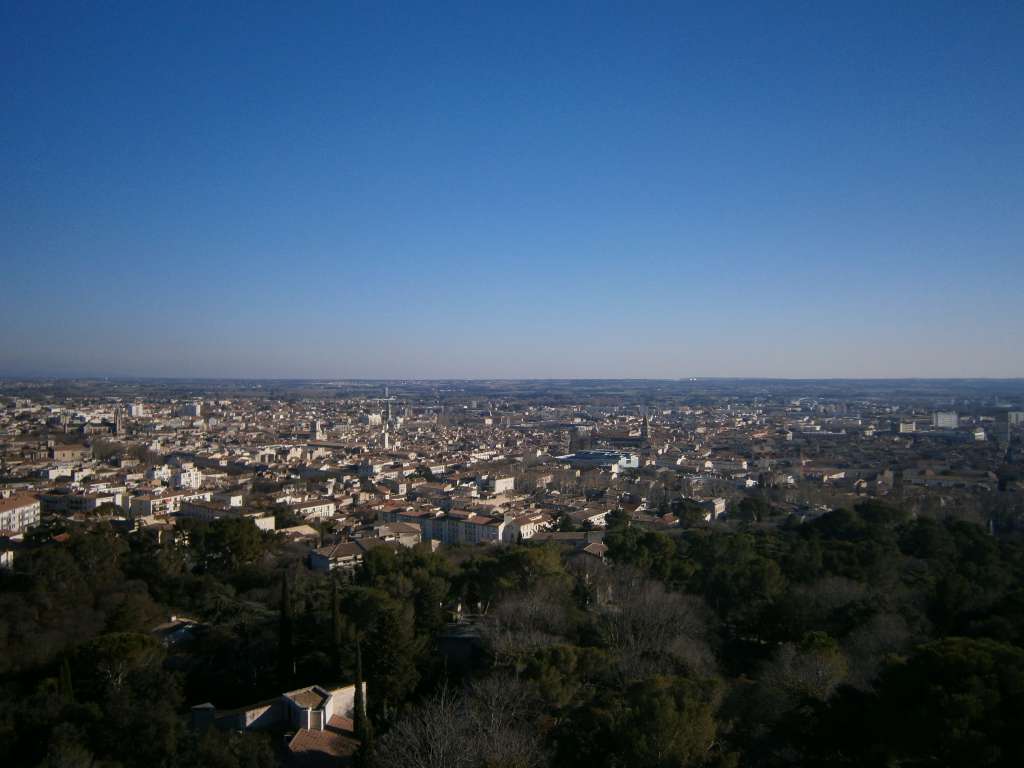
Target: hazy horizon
<point x="420" y="379"/>
<point x="590" y="191"/>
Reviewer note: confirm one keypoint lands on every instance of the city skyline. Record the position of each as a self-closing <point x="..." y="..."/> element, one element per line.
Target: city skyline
<point x="594" y="191"/>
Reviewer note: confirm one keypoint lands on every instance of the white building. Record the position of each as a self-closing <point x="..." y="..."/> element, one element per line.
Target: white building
<point x="500" y="484"/>
<point x="714" y="507"/>
<point x="945" y="420"/>
<point x="162" y="473"/>
<point x="471" y="529"/>
<point x="318" y="509"/>
<point x="308" y="709"/>
<point x="525" y="526"/>
<point x="188" y="478"/>
<point x="455" y="527"/>
<point x="596" y="518"/>
<point x="166" y="504"/>
<point x="18" y="513"/>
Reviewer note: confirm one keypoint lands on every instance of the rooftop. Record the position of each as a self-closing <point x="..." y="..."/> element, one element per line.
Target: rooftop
<point x="311" y="697"/>
<point x="16" y="501"/>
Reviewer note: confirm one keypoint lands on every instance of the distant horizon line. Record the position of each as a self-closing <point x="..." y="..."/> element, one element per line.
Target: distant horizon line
<point x="125" y="377"/>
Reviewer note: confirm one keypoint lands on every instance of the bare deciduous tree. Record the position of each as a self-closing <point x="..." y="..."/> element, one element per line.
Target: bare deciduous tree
<point x="430" y="735"/>
<point x="654" y="631"/>
<point x="493" y="723"/>
<point x="522" y="623"/>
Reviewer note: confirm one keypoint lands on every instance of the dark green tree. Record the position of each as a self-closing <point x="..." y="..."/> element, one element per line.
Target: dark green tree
<point x="361" y="726"/>
<point x="394" y="651"/>
<point x="65" y="685"/>
<point x="663" y="722"/>
<point x="337" y="626"/>
<point x="956" y="701"/>
<point x="285" y="639"/>
<point x="690" y="513"/>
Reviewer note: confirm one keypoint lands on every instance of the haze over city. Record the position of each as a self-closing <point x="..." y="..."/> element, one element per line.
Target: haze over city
<point x="592" y="190"/>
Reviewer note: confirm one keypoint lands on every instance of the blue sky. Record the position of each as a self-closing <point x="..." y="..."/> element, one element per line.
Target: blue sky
<point x="512" y="190"/>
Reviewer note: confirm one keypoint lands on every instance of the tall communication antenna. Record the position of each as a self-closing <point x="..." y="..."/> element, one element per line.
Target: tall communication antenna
<point x="386" y="399"/>
<point x="387" y="422"/>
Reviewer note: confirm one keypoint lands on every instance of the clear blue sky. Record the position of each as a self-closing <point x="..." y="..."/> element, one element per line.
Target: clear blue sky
<point x="512" y="190"/>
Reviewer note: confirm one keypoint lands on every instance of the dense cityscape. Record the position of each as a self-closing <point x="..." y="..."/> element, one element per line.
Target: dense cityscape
<point x="319" y="571"/>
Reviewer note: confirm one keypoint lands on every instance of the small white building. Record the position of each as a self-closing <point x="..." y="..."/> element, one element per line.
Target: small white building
<point x="498" y="485"/>
<point x="525" y="526"/>
<point x="318" y="509"/>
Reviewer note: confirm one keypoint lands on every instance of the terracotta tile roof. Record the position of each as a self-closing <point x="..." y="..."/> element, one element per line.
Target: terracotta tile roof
<point x="342" y="724"/>
<point x="306" y="697"/>
<point x="321" y="748"/>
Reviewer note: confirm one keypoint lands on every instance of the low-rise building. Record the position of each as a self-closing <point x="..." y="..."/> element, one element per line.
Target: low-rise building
<point x="69" y="502"/>
<point x="208" y="511"/>
<point x="70" y="453"/>
<point x="614" y="460"/>
<point x="345" y="555"/>
<point x="321" y="719"/>
<point x="318" y="509"/>
<point x="525" y="526"/>
<point x="500" y="484"/>
<point x="19" y="512"/>
<point x="164" y="504"/>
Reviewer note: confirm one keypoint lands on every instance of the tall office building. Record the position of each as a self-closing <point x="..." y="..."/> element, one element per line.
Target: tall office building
<point x="945" y="420"/>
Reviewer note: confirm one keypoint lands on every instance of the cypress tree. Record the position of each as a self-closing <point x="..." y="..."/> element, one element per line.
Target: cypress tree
<point x="361" y="726"/>
<point x="336" y="626"/>
<point x="286" y="661"/>
<point x="66" y="689"/>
